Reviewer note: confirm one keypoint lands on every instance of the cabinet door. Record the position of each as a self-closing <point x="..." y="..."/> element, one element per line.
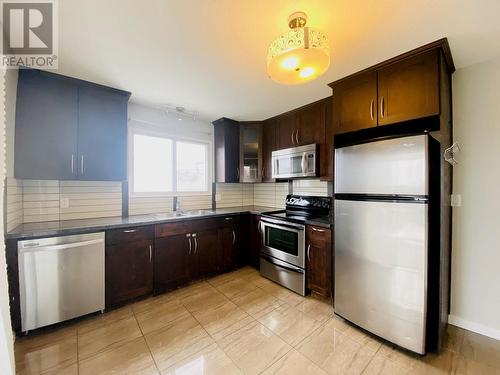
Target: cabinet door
<point x="251" y="151"/>
<point x="226" y="257"/>
<point x="129" y="271"/>
<point x="311" y="125"/>
<point x="46" y="127"/>
<point x="327" y="148"/>
<point x="319" y="260"/>
<point x="355" y="103"/>
<point x="227" y="150"/>
<point x="205" y="251"/>
<point x="255" y="242"/>
<point x="102" y="134"/>
<point x="172" y="262"/>
<point x="409" y="89"/>
<point x="268" y="146"/>
<point x="286" y="125"/>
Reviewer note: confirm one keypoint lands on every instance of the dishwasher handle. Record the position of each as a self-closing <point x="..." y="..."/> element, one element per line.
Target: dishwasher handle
<point x="61" y="247"/>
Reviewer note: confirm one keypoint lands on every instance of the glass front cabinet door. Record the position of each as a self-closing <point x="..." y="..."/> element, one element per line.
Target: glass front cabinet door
<point x="251" y="151"/>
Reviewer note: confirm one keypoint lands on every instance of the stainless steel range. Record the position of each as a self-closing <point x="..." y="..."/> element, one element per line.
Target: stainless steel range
<point x="283" y="254"/>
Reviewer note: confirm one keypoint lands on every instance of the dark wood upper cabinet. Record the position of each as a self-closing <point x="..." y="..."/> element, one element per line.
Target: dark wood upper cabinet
<point x="268" y="146"/>
<point x="227" y="150"/>
<point x="69" y="129"/>
<point x="102" y="134"/>
<point x="355" y="103"/>
<point x="310" y="124"/>
<point x="250" y="151"/>
<point x="285" y="133"/>
<point x="404" y="88"/>
<point x="327" y="149"/>
<point x="319" y="260"/>
<point x="409" y="89"/>
<point x="46" y="127"/>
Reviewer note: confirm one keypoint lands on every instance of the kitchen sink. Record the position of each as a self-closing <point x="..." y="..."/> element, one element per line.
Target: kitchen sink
<point x="172" y="215"/>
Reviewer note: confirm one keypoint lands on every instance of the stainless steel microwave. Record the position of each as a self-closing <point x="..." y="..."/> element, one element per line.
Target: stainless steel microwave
<point x="295" y="162"/>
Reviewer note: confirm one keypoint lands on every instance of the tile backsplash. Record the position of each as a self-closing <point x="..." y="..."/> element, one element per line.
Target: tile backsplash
<point x="310" y="187"/>
<point x="270" y="194"/>
<point x="234" y="195"/>
<point x="48" y="200"/>
<point x="31" y="201"/>
<point x="14" y="203"/>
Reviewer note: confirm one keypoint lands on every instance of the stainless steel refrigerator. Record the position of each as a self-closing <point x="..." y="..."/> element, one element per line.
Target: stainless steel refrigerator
<point x="383" y="237"/>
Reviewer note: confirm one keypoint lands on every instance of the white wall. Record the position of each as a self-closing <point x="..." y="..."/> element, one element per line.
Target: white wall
<point x="475" y="293"/>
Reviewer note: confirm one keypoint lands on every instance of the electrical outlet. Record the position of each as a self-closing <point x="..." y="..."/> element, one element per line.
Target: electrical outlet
<point x="217" y="197"/>
<point x="64" y="203"/>
<point x="456" y="200"/>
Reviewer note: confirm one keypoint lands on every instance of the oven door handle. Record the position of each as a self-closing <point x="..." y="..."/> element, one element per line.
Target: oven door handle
<point x="279" y="264"/>
<point x="266" y="220"/>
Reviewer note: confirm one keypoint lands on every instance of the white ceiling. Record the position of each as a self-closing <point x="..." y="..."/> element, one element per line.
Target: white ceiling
<point x="210" y="55"/>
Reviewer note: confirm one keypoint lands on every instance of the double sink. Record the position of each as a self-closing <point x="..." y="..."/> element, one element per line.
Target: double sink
<point x="176" y="214"/>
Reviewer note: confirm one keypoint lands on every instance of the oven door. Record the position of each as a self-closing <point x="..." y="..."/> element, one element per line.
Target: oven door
<point x="284" y="241"/>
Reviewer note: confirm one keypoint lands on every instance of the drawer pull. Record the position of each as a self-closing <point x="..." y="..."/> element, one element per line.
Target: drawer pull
<point x="130" y="231"/>
<point x="228" y="218"/>
<point x="318" y="230"/>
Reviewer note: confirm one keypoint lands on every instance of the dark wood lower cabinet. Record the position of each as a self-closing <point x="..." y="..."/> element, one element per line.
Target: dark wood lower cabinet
<point x="129" y="271"/>
<point x="255" y="243"/>
<point x="172" y="262"/>
<point x="319" y="260"/>
<point x="205" y="253"/>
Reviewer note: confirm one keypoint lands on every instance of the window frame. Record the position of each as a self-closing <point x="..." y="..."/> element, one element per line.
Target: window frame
<point x="152" y="132"/>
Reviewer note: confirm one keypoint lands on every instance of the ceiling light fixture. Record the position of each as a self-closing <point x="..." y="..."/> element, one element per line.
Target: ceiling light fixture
<point x="299" y="55"/>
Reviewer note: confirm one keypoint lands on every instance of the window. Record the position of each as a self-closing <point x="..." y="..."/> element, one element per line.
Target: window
<point x="191" y="166"/>
<point x="166" y="165"/>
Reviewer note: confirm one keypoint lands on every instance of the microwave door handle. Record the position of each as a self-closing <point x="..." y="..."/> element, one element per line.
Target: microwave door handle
<point x="304" y="162"/>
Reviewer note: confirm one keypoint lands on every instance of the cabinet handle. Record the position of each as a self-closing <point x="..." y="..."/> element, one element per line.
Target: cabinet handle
<point x="263" y="169"/>
<point x="382" y="109"/>
<point x="81" y="164"/>
<point x="309" y="252"/>
<point x="228" y="218"/>
<point x="371" y="108"/>
<point x="150" y="254"/>
<point x="195" y="243"/>
<point x="238" y="173"/>
<point x="189" y="242"/>
<point x="293" y="141"/>
<point x="234" y="237"/>
<point x="297" y="136"/>
<point x="130" y="231"/>
<point x="72" y="164"/>
<point x="318" y="230"/>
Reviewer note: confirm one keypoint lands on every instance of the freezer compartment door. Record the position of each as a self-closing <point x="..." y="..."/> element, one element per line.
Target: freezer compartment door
<point x="381" y="269"/>
<point x="395" y="166"/>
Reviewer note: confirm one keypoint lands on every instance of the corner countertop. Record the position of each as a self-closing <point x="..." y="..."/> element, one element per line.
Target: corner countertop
<point x="70" y="227"/>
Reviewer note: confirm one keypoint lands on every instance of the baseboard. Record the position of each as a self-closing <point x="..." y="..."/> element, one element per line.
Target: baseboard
<point x="474" y="327"/>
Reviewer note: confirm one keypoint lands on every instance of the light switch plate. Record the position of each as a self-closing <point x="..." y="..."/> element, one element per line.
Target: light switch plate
<point x="64" y="203"/>
<point x="456" y="200"/>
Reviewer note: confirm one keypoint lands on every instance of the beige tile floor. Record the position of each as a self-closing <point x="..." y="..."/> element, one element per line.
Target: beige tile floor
<point x="237" y="323"/>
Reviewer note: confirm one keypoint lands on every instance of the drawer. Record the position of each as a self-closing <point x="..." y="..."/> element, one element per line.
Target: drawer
<point x="171" y="229"/>
<point x="229" y="221"/>
<point x="205" y="224"/>
<point x="318" y="234"/>
<point x="122" y="235"/>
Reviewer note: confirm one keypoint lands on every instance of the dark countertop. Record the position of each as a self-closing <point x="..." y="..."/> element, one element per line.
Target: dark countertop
<point x="70" y="227"/>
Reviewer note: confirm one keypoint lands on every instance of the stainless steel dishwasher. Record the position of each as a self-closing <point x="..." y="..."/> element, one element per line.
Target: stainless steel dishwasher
<point x="60" y="278"/>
